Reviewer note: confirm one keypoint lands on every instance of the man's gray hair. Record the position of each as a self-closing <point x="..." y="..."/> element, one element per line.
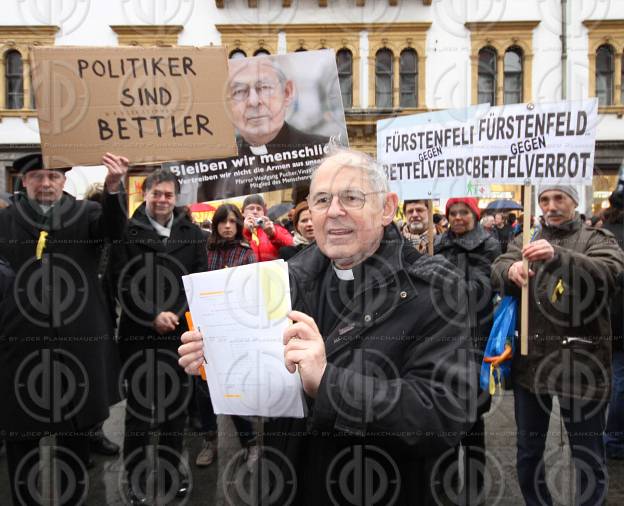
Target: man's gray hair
<point x="269" y="62"/>
<point x="359" y="160"/>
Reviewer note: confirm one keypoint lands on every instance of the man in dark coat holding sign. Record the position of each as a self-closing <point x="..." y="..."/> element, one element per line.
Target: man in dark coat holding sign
<point x="383" y="358"/>
<point x="54" y="379"/>
<point x="161" y="244"/>
<point x="572" y="273"/>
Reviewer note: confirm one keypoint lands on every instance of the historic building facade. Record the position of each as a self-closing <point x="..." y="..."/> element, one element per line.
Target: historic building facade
<point x="393" y="56"/>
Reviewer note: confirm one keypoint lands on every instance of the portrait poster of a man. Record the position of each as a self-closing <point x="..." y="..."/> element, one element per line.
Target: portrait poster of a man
<point x="286" y="110"/>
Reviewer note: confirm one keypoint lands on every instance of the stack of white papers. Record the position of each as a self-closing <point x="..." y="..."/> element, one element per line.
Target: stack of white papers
<point x="242" y="313"/>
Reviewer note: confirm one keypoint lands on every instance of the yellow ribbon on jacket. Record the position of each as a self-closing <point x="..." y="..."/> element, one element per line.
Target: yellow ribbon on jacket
<point x="495" y="380"/>
<point x="559" y="289"/>
<point x="41" y="244"/>
<point x="254" y="237"/>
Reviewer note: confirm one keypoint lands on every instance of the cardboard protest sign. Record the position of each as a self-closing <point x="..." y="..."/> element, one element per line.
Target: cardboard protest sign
<point x="286" y="109"/>
<point x="520" y="143"/>
<point x="148" y="104"/>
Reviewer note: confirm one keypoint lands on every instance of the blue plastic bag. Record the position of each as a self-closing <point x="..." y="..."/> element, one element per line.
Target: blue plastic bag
<point x="504" y="327"/>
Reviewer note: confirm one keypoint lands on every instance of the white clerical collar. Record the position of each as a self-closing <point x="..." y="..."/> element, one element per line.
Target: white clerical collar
<point x="344" y="274"/>
<point x="259" y="150"/>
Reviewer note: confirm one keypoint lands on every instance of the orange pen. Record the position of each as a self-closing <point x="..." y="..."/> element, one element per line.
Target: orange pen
<point x="189" y="322"/>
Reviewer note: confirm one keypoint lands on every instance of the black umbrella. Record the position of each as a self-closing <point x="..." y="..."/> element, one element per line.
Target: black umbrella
<point x="503" y="205"/>
<point x="278" y="210"/>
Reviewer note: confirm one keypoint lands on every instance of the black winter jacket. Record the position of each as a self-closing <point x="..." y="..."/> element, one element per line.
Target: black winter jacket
<point x="150" y="279"/>
<point x="399" y="388"/>
<point x="473" y="254"/>
<point x="59" y="332"/>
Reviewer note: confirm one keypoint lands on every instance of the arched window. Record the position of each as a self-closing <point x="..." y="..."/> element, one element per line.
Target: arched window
<point x="344" y="62"/>
<point x="383" y="78"/>
<point x="604" y="75"/>
<point x="486" y="84"/>
<point x="261" y="52"/>
<point x="14" y="80"/>
<point x="512" y="85"/>
<point x="408" y="71"/>
<point x="237" y="54"/>
<point x="300" y="50"/>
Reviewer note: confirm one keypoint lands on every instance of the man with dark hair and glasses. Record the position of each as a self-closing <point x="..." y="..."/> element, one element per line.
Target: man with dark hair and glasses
<point x="161" y="244"/>
<point x="382" y="353"/>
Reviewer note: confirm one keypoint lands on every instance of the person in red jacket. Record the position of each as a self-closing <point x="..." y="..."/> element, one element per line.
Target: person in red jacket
<point x="264" y="236"/>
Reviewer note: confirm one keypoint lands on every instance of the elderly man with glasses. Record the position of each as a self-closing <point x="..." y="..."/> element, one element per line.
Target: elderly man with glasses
<point x="260" y="95"/>
<point x="381" y="350"/>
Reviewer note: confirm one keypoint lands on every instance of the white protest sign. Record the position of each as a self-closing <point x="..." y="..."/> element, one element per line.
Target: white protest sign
<point x="513" y="144"/>
<point x="429" y="188"/>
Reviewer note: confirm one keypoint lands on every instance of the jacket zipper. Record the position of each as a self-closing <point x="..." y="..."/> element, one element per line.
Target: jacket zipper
<point x="569" y="340"/>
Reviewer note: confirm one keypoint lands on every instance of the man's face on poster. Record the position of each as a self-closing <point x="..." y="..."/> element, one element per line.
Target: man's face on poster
<point x="259" y="98"/>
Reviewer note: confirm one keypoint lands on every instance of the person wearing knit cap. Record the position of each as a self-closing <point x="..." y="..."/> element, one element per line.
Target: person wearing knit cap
<point x="470" y="202"/>
<point x="571" y="279"/>
<point x="569" y="190"/>
<point x="558" y="204"/>
<point x="469" y="247"/>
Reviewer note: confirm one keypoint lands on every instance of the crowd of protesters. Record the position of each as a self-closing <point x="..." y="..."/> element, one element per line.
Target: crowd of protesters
<point x="417" y="297"/>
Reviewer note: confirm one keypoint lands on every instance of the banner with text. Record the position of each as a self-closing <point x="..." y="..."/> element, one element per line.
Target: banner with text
<point x="286" y="109"/>
<point x="148" y="104"/>
<point x="513" y="144"/>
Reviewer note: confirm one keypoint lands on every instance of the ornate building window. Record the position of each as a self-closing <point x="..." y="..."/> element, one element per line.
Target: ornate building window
<point x="16" y="86"/>
<point x="344" y="40"/>
<point x="383" y="78"/>
<point x="487" y="76"/>
<point x="406" y="44"/>
<point x="344" y="62"/>
<point x="512" y="84"/>
<point x="501" y="61"/>
<point x="604" y="75"/>
<point x="408" y="84"/>
<point x="14" y="80"/>
<point x="605" y="48"/>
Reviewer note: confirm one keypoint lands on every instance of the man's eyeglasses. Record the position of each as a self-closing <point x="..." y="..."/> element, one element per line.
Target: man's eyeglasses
<point x="349" y="199"/>
<point x="264" y="90"/>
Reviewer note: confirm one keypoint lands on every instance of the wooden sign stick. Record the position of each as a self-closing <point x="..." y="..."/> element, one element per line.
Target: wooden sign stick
<point x="524" y="306"/>
<point x="430" y="228"/>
